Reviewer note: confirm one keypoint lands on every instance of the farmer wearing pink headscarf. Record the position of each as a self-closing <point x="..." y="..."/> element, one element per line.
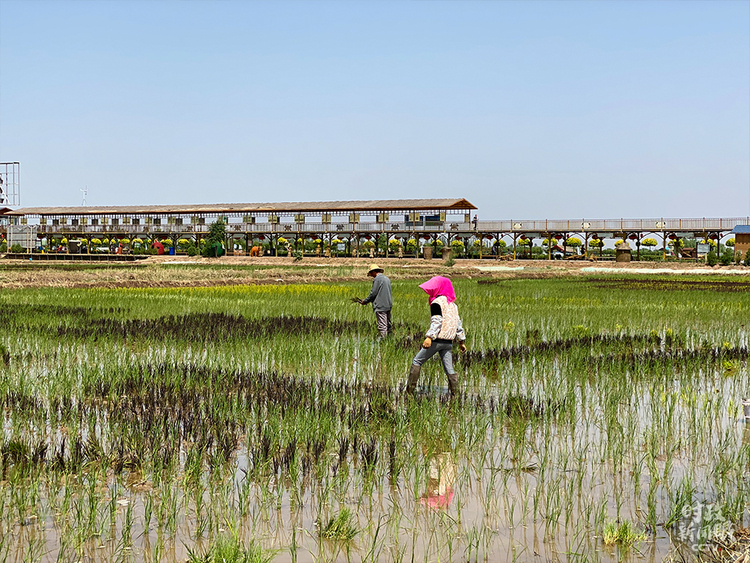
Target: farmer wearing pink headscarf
<point x="445" y="327"/>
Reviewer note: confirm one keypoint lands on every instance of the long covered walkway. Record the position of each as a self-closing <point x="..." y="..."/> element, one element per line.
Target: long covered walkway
<point x="344" y="226"/>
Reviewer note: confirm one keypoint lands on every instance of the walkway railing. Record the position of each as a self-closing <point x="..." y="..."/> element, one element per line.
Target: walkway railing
<point x="602" y="227"/>
<point x="614" y="225"/>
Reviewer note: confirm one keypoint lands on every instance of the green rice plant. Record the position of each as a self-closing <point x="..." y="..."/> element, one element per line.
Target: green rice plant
<point x="682" y="499"/>
<point x="230" y="550"/>
<point x="4" y="356"/>
<point x="622" y="533"/>
<point x="243" y="399"/>
<point x="340" y="527"/>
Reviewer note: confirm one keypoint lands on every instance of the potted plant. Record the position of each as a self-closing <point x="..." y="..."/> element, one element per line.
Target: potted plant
<point x="457" y="248"/>
<point x="411" y="246"/>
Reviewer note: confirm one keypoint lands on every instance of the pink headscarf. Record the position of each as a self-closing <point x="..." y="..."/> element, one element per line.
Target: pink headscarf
<point x="437" y="286"/>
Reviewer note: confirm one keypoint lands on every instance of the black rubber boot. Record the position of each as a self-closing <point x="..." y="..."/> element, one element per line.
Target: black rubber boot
<point x="453" y="384"/>
<point x="414" y="371"/>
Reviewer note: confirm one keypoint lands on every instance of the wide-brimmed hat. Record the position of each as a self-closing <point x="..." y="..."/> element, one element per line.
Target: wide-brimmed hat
<point x="374" y="268"/>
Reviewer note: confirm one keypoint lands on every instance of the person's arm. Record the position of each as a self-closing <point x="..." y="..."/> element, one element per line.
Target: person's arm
<point x="373" y="292"/>
<point x="461" y="335"/>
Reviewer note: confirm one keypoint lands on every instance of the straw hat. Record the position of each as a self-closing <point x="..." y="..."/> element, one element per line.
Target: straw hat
<point x="374" y="267"/>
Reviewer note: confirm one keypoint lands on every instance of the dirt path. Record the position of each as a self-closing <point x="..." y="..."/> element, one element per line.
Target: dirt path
<point x="179" y="271"/>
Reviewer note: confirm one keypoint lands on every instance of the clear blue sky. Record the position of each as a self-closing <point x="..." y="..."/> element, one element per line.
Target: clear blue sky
<point x="557" y="109"/>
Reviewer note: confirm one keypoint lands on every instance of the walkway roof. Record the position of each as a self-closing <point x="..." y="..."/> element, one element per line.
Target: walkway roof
<point x="373" y="206"/>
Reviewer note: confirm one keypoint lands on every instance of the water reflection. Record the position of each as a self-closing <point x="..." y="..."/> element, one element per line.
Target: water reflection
<point x="440" y="482"/>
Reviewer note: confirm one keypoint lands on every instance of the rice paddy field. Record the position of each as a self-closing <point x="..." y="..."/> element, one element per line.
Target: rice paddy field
<point x="600" y="419"/>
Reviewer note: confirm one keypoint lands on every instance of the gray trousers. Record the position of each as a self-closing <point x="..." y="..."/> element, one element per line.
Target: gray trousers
<point x="385" y="326"/>
<point x="444" y="349"/>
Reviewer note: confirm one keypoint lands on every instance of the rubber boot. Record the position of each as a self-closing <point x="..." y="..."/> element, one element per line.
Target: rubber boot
<point x="453" y="384"/>
<point x="414" y="371"/>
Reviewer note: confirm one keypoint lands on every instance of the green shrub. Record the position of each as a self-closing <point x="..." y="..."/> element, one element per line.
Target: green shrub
<point x="217" y="234"/>
<point x="712" y="259"/>
<point x="726" y="257"/>
<point x="747" y="257"/>
<point x="16" y="248"/>
<point x="4" y="247"/>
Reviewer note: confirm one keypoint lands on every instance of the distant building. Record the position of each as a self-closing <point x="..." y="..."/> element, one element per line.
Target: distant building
<point x="741" y="238"/>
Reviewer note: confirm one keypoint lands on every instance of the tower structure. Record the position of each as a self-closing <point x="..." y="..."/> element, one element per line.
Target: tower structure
<point x="10" y="184"/>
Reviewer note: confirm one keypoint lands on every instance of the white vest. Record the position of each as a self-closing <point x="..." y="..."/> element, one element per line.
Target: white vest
<point x="450" y="318"/>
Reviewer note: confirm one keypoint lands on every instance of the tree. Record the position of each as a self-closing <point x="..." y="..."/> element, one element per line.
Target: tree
<point x="573" y="242"/>
<point x="217" y="234"/>
<point x="382" y="243"/>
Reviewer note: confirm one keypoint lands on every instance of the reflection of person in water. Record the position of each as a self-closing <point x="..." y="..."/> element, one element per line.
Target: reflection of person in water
<point x="440" y="484"/>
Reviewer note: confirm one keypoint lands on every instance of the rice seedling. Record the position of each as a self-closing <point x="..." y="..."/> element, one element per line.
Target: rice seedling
<point x="339" y="527"/>
<point x="231" y="550"/>
<point x="143" y="420"/>
<point x="622" y="534"/>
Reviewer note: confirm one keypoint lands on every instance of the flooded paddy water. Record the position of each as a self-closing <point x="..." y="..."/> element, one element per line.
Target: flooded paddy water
<point x="600" y="419"/>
